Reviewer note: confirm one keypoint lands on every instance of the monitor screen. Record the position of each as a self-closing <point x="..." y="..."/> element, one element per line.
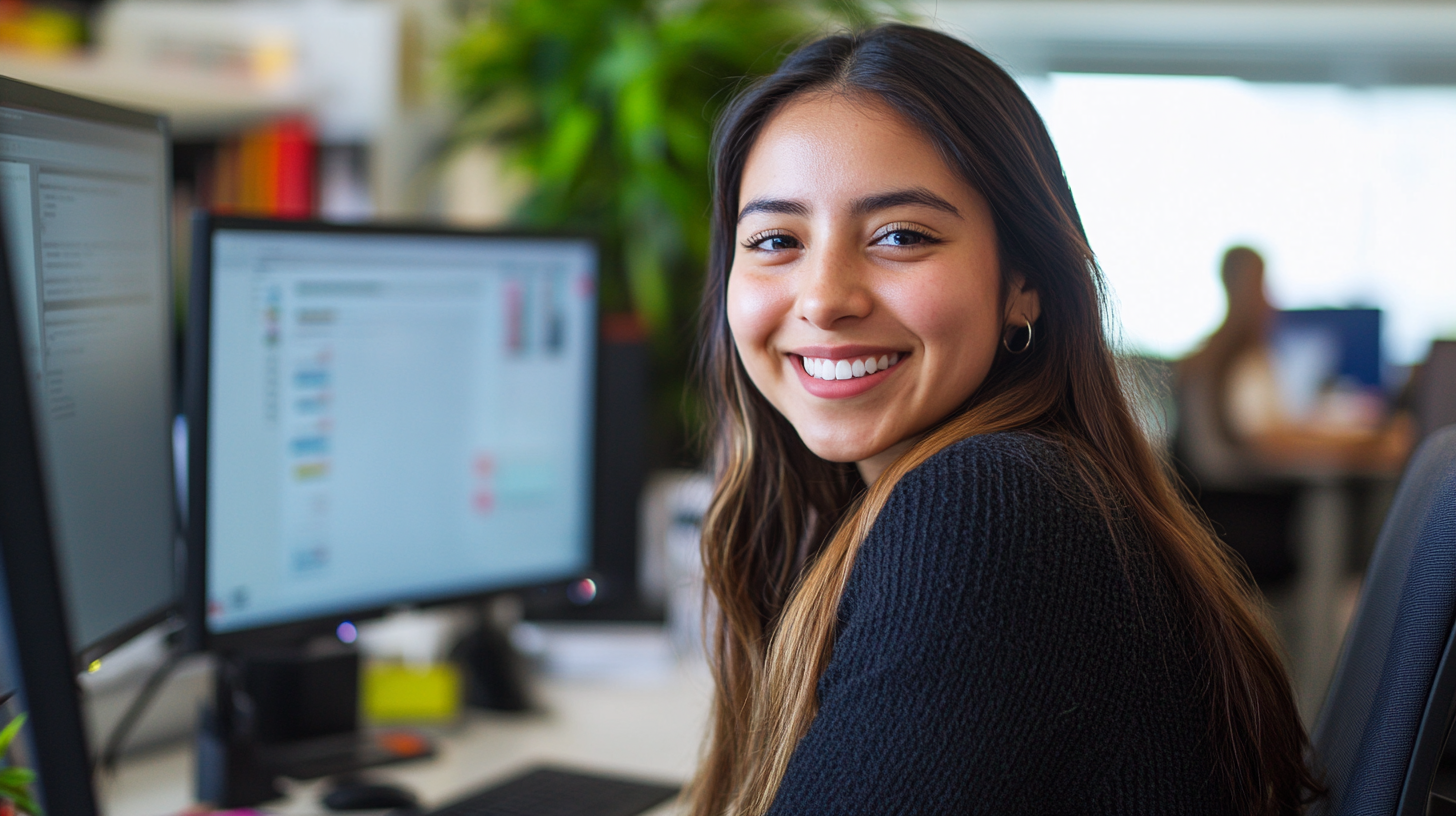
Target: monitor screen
<point x="393" y="417"/>
<point x="84" y="193"/>
<point x="41" y="730"/>
<point x="1340" y="343"/>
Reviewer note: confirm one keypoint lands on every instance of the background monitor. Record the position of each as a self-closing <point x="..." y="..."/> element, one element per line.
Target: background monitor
<point x="383" y="416"/>
<point x="84" y="188"/>
<point x="1343" y="343"/>
<point x="1436" y="391"/>
<point x="37" y="675"/>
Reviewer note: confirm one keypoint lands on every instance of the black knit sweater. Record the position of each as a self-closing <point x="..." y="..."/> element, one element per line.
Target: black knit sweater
<point x="999" y="653"/>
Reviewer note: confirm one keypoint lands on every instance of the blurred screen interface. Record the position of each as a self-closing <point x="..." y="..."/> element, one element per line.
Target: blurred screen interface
<point x="85" y="211"/>
<point x="394" y="418"/>
<point x="1345" y="191"/>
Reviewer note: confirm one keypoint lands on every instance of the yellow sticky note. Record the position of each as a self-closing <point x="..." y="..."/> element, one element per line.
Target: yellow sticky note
<point x="397" y="692"/>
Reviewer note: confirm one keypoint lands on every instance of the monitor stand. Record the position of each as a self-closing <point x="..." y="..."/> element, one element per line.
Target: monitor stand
<point x="494" y="671"/>
<point x="293" y="713"/>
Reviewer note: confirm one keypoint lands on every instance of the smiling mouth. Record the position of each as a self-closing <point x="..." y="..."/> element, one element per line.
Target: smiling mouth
<point x="823" y="368"/>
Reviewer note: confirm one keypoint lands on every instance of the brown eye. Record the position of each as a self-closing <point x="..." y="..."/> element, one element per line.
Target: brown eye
<point x="772" y="243"/>
<point x="904" y="237"/>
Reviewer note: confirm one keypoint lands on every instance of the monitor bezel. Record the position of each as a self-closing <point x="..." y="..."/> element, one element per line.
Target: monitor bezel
<point x="196" y="394"/>
<point x="25" y="96"/>
<point x="38" y="616"/>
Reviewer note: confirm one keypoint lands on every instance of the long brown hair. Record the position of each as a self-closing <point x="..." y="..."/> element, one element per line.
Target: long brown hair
<point x="784" y="526"/>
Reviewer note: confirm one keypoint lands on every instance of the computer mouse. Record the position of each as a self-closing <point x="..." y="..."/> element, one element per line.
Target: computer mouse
<point x="369" y="796"/>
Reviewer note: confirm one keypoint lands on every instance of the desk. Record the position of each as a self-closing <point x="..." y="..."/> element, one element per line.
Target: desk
<point x="647" y="727"/>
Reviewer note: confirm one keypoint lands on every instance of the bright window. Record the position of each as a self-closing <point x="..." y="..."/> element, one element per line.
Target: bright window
<point x="1350" y="194"/>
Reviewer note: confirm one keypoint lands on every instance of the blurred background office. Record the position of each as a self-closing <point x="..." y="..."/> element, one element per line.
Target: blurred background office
<point x="1283" y="170"/>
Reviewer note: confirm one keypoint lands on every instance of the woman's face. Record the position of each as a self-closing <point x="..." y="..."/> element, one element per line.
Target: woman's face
<point x="865" y="294"/>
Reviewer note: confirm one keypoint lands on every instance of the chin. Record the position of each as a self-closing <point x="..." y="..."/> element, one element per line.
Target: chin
<point x="839" y="450"/>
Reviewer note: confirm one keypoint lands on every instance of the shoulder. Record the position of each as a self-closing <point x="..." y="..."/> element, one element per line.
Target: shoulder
<point x="991" y="479"/>
<point x="993" y="520"/>
<point x="992" y="456"/>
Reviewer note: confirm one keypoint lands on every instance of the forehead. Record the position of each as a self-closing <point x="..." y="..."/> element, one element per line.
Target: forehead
<point x="830" y="147"/>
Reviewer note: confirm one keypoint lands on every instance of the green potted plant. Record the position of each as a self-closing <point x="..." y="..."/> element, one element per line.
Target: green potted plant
<point x="15" y="781"/>
<point x="606" y="107"/>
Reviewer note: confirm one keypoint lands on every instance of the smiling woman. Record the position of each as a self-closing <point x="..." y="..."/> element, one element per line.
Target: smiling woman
<point x="951" y="574"/>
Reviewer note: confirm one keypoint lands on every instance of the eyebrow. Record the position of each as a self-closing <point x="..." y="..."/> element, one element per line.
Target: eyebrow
<point x="777" y="206"/>
<point x="915" y="196"/>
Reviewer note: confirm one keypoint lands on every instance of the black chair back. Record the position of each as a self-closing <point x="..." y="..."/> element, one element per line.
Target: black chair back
<point x="1389" y="707"/>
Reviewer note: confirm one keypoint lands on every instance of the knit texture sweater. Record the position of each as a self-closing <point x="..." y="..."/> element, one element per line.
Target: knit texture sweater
<point x="1000" y="652"/>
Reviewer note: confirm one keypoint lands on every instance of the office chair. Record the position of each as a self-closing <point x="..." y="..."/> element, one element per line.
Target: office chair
<point x="1381" y="732"/>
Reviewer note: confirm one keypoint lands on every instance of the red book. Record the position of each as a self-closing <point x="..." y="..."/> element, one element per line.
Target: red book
<point x="293" y="184"/>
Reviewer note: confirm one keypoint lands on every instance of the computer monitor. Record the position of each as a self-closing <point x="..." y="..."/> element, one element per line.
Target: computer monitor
<point x="382" y="416"/>
<point x="37" y="675"/>
<point x="84" y="188"/>
<point x="1435" y="403"/>
<point x="1345" y="342"/>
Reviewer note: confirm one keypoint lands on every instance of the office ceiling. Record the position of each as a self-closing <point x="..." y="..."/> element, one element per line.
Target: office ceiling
<point x="1356" y="43"/>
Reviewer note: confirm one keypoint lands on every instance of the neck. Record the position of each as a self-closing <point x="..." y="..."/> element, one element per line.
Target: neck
<point x="871" y="467"/>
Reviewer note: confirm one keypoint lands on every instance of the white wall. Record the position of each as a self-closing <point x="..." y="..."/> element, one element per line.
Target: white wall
<point x="1350" y="194"/>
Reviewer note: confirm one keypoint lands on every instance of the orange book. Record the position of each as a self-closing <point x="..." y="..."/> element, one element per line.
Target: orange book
<point x="253" y="172"/>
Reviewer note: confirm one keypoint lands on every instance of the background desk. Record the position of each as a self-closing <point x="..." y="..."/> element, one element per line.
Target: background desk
<point x="645" y="726"/>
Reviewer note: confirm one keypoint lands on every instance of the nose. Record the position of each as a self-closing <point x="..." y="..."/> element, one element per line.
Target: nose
<point x="833" y="289"/>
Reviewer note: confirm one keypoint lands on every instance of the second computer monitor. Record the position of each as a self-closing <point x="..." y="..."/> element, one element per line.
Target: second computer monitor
<point x="385" y="416"/>
<point x="84" y="190"/>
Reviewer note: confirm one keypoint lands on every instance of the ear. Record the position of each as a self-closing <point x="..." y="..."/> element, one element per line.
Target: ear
<point x="1023" y="305"/>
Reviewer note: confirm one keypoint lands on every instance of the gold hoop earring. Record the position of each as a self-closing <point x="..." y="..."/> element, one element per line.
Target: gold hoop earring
<point x="1010" y="330"/>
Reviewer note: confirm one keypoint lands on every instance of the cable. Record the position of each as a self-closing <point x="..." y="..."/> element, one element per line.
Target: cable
<point x="107" y="759"/>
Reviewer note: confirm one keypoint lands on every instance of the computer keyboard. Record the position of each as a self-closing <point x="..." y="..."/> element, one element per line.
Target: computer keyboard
<point x="557" y="792"/>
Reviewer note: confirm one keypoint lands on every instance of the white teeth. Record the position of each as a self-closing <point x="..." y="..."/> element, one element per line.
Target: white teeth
<point x="826" y="369"/>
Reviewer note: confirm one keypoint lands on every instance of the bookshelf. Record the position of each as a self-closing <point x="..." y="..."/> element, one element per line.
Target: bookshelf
<point x="200" y="106"/>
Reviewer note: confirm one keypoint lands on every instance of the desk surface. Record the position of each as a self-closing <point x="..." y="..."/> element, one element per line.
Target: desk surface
<point x="645" y="726"/>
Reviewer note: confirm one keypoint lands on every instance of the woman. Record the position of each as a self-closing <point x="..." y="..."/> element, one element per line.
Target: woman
<point x="950" y="573"/>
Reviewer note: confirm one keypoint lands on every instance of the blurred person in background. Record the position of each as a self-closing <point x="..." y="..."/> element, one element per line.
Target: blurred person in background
<point x="1235" y="426"/>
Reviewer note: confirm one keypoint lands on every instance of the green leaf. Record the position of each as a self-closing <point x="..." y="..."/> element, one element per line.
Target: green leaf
<point x="648" y="282"/>
<point x="567" y="143"/>
<point x="8" y="735"/>
<point x="16" y="777"/>
<point x="25" y="804"/>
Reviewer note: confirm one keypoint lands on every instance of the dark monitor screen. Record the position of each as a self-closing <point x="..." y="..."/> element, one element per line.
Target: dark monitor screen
<point x="1436" y="389"/>
<point x="390" y="416"/>
<point x="84" y="188"/>
<point x="37" y="678"/>
<point x="1350" y="339"/>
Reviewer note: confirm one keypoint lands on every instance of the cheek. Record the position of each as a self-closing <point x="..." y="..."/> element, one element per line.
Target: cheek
<point x="954" y="317"/>
<point x="756" y="308"/>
